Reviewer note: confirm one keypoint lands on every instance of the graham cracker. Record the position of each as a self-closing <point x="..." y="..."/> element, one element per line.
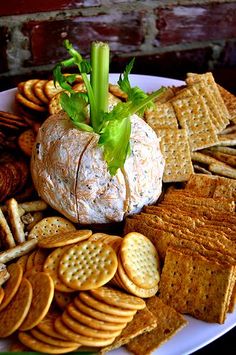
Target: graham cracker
<point x="169" y="322"/>
<point x="144" y="321"/>
<point x="193" y="115"/>
<point x="196" y="285"/>
<point x="162" y="116"/>
<point x="176" y="151"/>
<point x="209" y="80"/>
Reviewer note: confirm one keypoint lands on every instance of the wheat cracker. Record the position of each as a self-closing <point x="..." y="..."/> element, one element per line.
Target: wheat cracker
<point x="87" y="265"/>
<point x="43" y="291"/>
<point x="63" y="239"/>
<point x="50" y="226"/>
<point x="31" y="342"/>
<point x="14" y="314"/>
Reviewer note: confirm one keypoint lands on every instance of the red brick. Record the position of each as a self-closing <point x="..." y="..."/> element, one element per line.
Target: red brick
<point x="170" y="64"/>
<point x="16" y="7"/>
<point x="123" y="32"/>
<point x="4" y="37"/>
<point x="181" y="24"/>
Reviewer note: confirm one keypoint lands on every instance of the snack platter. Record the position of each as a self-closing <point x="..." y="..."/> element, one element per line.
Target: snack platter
<point x="197" y="333"/>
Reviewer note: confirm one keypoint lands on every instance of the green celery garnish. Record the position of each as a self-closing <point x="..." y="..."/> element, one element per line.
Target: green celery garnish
<point x="114" y="127"/>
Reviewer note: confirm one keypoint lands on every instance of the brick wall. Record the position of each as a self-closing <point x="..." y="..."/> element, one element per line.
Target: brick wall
<point x="168" y="38"/>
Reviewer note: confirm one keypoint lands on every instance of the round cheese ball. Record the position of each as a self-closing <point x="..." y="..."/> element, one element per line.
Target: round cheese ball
<point x="71" y="175"/>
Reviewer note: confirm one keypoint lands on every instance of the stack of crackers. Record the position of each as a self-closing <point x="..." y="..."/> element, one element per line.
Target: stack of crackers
<point x="192" y="118"/>
<point x="57" y="298"/>
<point x="193" y="229"/>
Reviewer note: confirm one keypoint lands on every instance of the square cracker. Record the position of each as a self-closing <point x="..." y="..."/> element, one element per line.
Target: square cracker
<point x="209" y="80"/>
<point x="169" y="322"/>
<point x="201" y="185"/>
<point x="196" y="285"/>
<point x="162" y="116"/>
<point x="230" y="102"/>
<point x="193" y="115"/>
<point x="144" y="321"/>
<point x="175" y="149"/>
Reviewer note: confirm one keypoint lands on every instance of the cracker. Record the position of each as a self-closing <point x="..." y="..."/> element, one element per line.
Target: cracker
<point x="103" y="307"/>
<point x="50" y="89"/>
<point x="28" y="91"/>
<point x="6" y="236"/>
<point x="162" y="116"/>
<point x="198" y="169"/>
<point x="140" y="260"/>
<point x="84" y="340"/>
<point x="50" y="226"/>
<point x="1" y="294"/>
<point x="169" y="322"/>
<point x="201" y="185"/>
<point x="87" y="265"/>
<point x="227" y="139"/>
<point x="116" y="91"/>
<point x="117" y="298"/>
<point x="37" y="217"/>
<point x="12" y="285"/>
<point x="29" y="104"/>
<point x="223" y="170"/>
<point x="31" y="342"/>
<point x="14" y="314"/>
<point x="223" y="157"/>
<point x="4" y="276"/>
<point x="18" y="251"/>
<point x="47" y="339"/>
<point x="51" y="267"/>
<point x="43" y="291"/>
<point x="26" y="141"/>
<point x="30" y="260"/>
<point x="176" y="151"/>
<point x="209" y="81"/>
<point x="225" y="188"/>
<point x="230" y="102"/>
<point x="131" y="287"/>
<point x="63" y="299"/>
<point x="46" y="325"/>
<point x="92" y="322"/>
<point x="196" y="285"/>
<point x="192" y="114"/>
<point x="54" y="105"/>
<point x="15" y="221"/>
<point x="81" y="329"/>
<point x="82" y="307"/>
<point x="32" y="206"/>
<point x="62" y="239"/>
<point x="38" y="90"/>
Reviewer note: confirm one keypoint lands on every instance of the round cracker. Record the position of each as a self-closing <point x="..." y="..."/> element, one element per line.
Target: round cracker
<point x="51" y="267"/>
<point x="46" y="325"/>
<point x="12" y="285"/>
<point x="82" y="329"/>
<point x="37" y="345"/>
<point x="26" y="141"/>
<point x="132" y="287"/>
<point x="29" y="104"/>
<point x="84" y="340"/>
<point x="103" y="307"/>
<point x="140" y="260"/>
<point x="87" y="265"/>
<point x="23" y="261"/>
<point x="92" y="322"/>
<point x="63" y="299"/>
<point x="51" y="89"/>
<point x="54" y="105"/>
<point x="28" y="91"/>
<point x="43" y="291"/>
<point x="50" y="226"/>
<point x="62" y="239"/>
<point x="47" y="339"/>
<point x="100" y="315"/>
<point x="14" y="314"/>
<point x="118" y="298"/>
<point x="39" y="92"/>
<point x="1" y="294"/>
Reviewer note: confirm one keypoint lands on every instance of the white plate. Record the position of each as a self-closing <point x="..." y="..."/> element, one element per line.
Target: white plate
<point x="197" y="333"/>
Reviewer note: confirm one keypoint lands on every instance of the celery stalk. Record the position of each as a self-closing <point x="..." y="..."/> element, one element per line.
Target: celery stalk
<point x="100" y="79"/>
